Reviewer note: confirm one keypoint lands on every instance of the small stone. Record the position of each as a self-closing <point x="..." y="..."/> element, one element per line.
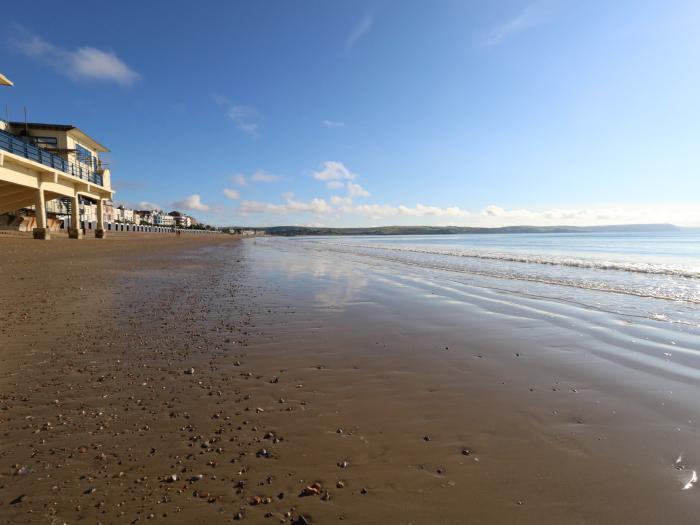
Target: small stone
<point x="311" y="490"/>
<point x="466" y="451"/>
<point x="427" y="438"/>
<point x="172" y="478"/>
<point x="189" y="371"/>
<point x="343" y="464"/>
<point x="363" y="491"/>
<point x="340" y="484"/>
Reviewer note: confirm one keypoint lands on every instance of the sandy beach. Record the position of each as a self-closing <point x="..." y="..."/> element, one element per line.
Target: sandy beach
<point x="213" y="379"/>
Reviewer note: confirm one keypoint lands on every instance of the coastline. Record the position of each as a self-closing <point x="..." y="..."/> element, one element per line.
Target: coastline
<point x="454" y="406"/>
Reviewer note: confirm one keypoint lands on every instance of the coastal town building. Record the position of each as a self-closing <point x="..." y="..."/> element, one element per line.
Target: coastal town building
<point x="182" y="220"/>
<point x="163" y="219"/>
<point x="53" y="178"/>
<point x="40" y="163"/>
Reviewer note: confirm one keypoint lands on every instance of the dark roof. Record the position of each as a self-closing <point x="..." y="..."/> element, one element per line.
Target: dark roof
<point x="59" y="127"/>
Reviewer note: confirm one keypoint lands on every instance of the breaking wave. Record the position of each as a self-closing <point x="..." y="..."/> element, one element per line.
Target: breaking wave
<point x="640" y="267"/>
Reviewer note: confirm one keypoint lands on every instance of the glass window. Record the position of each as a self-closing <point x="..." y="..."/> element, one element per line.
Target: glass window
<point x="50" y="141"/>
<point x="85" y="156"/>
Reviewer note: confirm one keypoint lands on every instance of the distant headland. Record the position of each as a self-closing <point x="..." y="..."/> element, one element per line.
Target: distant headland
<point x="446" y="230"/>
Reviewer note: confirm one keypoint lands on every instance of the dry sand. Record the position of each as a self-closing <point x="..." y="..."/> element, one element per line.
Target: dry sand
<point x="204" y="380"/>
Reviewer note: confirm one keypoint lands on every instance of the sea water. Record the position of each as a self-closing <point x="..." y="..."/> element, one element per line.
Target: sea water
<point x="650" y="275"/>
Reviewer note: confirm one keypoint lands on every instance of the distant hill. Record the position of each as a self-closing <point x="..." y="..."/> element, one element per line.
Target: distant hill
<point x="442" y="230"/>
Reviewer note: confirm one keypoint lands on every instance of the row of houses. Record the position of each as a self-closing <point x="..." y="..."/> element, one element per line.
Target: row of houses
<point x="124" y="215"/>
<point x="52" y="177"/>
<point x="59" y="214"/>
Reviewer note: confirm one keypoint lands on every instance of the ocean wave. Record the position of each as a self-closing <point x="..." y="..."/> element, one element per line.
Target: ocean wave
<point x="549" y="260"/>
<point x="668" y="290"/>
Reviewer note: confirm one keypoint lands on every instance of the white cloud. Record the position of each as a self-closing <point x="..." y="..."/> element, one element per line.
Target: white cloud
<point x="250" y="128"/>
<point x="315" y="206"/>
<point x="146" y="205"/>
<point x="335" y="185"/>
<point x="341" y="201"/>
<point x="359" y="30"/>
<point x="681" y="215"/>
<point x="355" y="190"/>
<point x="84" y="63"/>
<point x="533" y="14"/>
<point x="332" y="170"/>
<point x="262" y="176"/>
<point x="380" y="211"/>
<point x="259" y="176"/>
<point x="232" y="194"/>
<point x="239" y="179"/>
<point x="245" y="117"/>
<point x="332" y="124"/>
<point x="490" y="216"/>
<point x="191" y="203"/>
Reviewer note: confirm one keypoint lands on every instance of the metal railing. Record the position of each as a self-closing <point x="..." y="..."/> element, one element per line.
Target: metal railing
<point x="11" y="143"/>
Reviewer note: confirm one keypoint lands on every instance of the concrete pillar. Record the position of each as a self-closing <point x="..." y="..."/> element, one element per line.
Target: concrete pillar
<point x="100" y="229"/>
<point x="41" y="231"/>
<point x="75" y="232"/>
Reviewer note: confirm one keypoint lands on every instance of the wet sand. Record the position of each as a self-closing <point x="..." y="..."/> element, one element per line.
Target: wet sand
<point x="212" y="380"/>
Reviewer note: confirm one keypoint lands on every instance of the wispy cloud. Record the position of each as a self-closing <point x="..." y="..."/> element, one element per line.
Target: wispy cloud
<point x="332" y="124"/>
<point x="263" y="176"/>
<point x="355" y="190"/>
<point x="259" y="176"/>
<point x="337" y="200"/>
<point x="83" y="63"/>
<point x="239" y="179"/>
<point x="335" y="185"/>
<point x="534" y="14"/>
<point x="491" y="216"/>
<point x="359" y="30"/>
<point x="333" y="170"/>
<point x="315" y="206"/>
<point x="245" y="117"/>
<point x="234" y="195"/>
<point x="147" y="205"/>
<point x="191" y="203"/>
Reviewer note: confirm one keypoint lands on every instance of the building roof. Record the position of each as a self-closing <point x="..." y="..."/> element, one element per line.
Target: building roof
<point x="84" y="137"/>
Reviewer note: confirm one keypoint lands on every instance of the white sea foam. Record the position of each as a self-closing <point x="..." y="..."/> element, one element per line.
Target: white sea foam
<point x="638" y="267"/>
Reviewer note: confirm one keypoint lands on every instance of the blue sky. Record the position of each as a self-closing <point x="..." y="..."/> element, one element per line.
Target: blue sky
<point x="376" y="112"/>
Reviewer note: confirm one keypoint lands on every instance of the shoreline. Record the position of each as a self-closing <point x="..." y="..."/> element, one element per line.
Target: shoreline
<point x="449" y="410"/>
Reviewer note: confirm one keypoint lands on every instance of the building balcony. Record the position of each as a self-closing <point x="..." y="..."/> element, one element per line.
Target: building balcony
<point x="16" y="146"/>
